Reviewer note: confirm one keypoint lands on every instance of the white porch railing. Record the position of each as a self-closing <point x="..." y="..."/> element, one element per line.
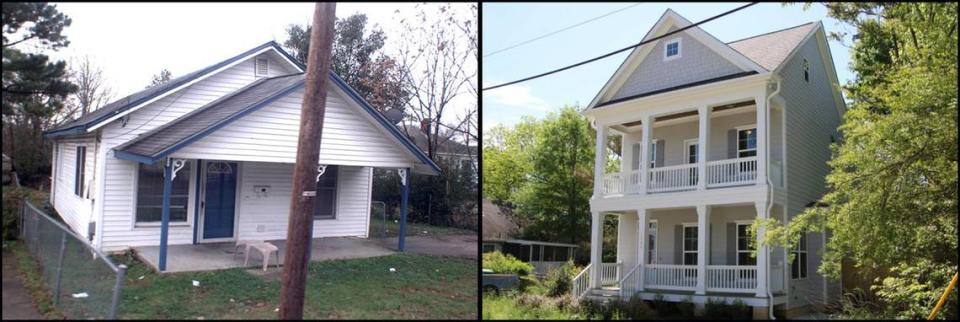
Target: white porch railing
<point x="628" y="285"/>
<point x="672" y="178"/>
<point x="581" y="283"/>
<point x="621" y="182"/>
<point x="731" y="172"/>
<point x="610" y="273"/>
<point x="671" y="277"/>
<point x="731" y="278"/>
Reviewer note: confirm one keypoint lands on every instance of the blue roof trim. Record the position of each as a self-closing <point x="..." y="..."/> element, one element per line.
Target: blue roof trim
<point x="383" y="121"/>
<point x="124" y="155"/>
<point x="81" y="128"/>
<point x="205" y="132"/>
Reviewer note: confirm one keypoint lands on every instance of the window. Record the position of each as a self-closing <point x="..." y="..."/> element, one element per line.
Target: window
<point x="150" y="193"/>
<point x="798" y="268"/>
<point x="744" y="248"/>
<point x="692" y="149"/>
<point x="746" y="142"/>
<point x="80" y="171"/>
<point x="806" y="70"/>
<point x="262" y="66"/>
<point x="671" y="50"/>
<point x="652" y="242"/>
<point x="653" y="154"/>
<point x="326" y="204"/>
<point x="689" y="245"/>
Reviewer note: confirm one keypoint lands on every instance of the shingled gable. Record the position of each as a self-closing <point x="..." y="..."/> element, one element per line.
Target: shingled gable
<point x="757" y="54"/>
<point x="132" y="102"/>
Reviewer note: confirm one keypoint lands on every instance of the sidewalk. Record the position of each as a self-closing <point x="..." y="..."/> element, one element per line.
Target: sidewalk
<point x="17" y="304"/>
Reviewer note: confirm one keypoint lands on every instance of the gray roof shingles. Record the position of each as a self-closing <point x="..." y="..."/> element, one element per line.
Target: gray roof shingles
<point x="769" y="50"/>
<point x="155" y="143"/>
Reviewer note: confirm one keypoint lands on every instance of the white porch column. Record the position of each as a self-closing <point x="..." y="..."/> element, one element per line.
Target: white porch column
<point x="703" y="142"/>
<point x="645" y="153"/>
<point x="627" y="242"/>
<point x="762" y="255"/>
<point x="600" y="162"/>
<point x="596" y="248"/>
<point x="762" y="139"/>
<point x="642" y="246"/>
<point x="703" y="253"/>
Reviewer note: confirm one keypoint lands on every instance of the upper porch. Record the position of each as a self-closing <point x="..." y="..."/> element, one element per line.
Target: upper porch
<point x="691" y="143"/>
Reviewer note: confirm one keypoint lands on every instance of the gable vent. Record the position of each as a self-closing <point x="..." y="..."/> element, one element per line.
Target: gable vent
<point x="262" y="67"/>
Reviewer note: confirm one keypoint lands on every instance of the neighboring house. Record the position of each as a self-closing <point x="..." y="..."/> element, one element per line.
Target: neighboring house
<point x="447" y="149"/>
<point x="498" y="236"/>
<point x="208" y="157"/>
<point x="715" y="135"/>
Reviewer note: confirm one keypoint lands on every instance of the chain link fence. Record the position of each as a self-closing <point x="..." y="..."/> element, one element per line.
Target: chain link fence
<point x="85" y="284"/>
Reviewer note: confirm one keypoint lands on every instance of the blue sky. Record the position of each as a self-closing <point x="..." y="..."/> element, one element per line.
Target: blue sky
<point x="506" y="24"/>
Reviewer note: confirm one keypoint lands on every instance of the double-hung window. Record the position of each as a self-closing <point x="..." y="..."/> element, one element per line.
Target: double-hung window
<point x="150" y="193"/>
<point x="746" y="142"/>
<point x="690" y="245"/>
<point x="79" y="171"/>
<point x="326" y="203"/>
<point x="744" y="247"/>
<point x="652" y="242"/>
<point x="798" y="269"/>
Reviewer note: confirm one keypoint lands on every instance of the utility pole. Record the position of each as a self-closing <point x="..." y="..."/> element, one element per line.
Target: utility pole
<point x="300" y="224"/>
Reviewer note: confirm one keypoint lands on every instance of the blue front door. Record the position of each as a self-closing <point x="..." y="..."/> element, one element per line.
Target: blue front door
<point x="219" y="199"/>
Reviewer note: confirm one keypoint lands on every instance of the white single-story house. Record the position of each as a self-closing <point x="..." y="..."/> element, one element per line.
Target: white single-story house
<point x="208" y="157"/>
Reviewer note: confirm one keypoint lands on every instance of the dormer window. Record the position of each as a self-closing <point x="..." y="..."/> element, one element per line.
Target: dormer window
<point x="672" y="49"/>
<point x="262" y="67"/>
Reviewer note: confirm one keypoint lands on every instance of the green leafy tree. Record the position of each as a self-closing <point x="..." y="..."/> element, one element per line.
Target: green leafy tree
<point x="34" y="88"/>
<point x="892" y="201"/>
<point x="358" y="58"/>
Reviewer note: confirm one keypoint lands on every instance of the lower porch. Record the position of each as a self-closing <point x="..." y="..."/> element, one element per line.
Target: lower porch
<point x="216" y="256"/>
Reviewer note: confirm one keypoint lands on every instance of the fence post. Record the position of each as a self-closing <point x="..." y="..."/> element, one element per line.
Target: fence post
<point x="117" y="288"/>
<point x="63" y="249"/>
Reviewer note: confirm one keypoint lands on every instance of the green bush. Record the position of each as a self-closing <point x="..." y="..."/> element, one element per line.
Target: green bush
<point x="505" y="264"/>
<point x="722" y="311"/>
<point x="560" y="280"/>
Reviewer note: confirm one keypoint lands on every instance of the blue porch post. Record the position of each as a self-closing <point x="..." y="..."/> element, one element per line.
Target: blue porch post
<point x="405" y="181"/>
<point x="165" y="214"/>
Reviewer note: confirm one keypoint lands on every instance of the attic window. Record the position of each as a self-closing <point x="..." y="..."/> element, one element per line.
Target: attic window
<point x="806" y="70"/>
<point x="671" y="50"/>
<point x="262" y="67"/>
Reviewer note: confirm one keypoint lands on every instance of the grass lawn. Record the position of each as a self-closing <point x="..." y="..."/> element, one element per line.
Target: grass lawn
<point x="423" y="287"/>
<point x="505" y="308"/>
<point x="413" y="229"/>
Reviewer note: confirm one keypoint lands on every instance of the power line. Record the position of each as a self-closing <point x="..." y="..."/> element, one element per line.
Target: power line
<point x="560" y="30"/>
<point x="617" y="51"/>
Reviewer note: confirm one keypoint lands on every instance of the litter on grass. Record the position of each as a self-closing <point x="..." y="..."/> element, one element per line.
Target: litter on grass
<point x="80" y="295"/>
<point x="196" y="283"/>
<point x="141" y="277"/>
<point x="393" y="270"/>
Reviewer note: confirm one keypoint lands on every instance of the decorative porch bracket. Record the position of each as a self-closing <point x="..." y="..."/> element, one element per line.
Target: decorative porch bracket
<point x="403" y="205"/>
<point x="170" y="168"/>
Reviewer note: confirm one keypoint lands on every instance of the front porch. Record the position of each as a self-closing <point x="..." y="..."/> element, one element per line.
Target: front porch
<point x="702" y="250"/>
<point x="216" y="256"/>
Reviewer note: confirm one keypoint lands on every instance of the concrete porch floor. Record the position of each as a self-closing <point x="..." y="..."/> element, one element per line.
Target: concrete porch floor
<point x="216" y="256"/>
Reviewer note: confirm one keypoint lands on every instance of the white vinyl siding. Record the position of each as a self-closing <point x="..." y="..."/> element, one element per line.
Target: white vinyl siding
<point x="270" y="135"/>
<point x="265" y="216"/>
<point x="74" y="209"/>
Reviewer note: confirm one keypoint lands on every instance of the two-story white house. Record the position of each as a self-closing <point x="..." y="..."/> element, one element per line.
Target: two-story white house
<point x="714" y="135"/>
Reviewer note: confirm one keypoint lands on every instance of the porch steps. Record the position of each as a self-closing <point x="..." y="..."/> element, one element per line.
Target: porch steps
<point x="603" y="295"/>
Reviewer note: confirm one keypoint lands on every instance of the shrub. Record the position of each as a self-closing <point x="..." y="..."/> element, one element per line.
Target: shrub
<point x="532" y="300"/>
<point x="506" y="264"/>
<point x="560" y="280"/>
<point x="567" y="302"/>
<point x="722" y="311"/>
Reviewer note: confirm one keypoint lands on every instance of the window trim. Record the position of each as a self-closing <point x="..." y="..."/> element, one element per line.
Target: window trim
<point x="686" y="150"/>
<point x="652" y="253"/>
<point x="666" y="45"/>
<point x="683" y="239"/>
<point x="802" y="274"/>
<point x="737" y="225"/>
<point x="336" y="196"/>
<point x="744" y="128"/>
<point x="191" y="200"/>
<point x="80" y="171"/>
